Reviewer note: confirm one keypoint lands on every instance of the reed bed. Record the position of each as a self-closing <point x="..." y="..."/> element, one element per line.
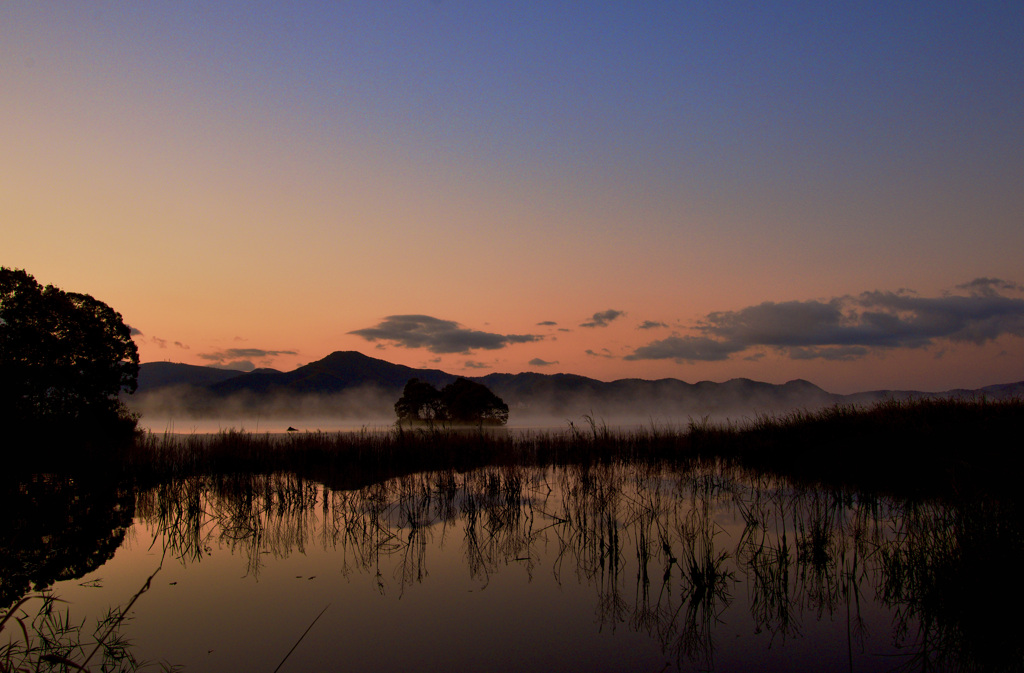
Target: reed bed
<point x="913" y="447"/>
<point x="604" y="498"/>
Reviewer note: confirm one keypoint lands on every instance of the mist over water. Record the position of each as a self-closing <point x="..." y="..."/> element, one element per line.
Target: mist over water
<point x="182" y="410"/>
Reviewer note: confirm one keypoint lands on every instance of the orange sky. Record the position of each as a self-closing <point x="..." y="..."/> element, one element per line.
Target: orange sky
<point x="241" y="177"/>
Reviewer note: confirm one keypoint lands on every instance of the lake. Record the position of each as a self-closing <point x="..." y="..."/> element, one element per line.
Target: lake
<point x="604" y="567"/>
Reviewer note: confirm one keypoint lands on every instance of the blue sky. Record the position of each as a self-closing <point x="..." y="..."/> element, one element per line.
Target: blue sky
<point x="283" y="177"/>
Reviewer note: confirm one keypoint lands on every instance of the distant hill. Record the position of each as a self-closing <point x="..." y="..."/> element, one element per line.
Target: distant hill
<point x="356" y="385"/>
<point x="156" y="375"/>
<point x="567" y="394"/>
<point x="339" y="371"/>
<point x="342" y="386"/>
<point x="1000" y="391"/>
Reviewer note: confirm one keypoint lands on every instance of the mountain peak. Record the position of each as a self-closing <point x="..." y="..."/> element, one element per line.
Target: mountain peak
<point x="348" y="355"/>
<point x="802" y="384"/>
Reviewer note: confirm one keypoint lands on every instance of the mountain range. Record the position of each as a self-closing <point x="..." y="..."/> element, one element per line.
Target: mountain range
<point x="351" y="385"/>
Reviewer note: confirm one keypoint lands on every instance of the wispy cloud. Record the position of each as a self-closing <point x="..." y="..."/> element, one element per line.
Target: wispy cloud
<point x="989" y="287"/>
<point x="235" y="365"/>
<point x="241" y="358"/>
<point x="157" y="341"/>
<point x="850" y="327"/>
<point x="537" y="362"/>
<point x="471" y="364"/>
<point x="603" y="353"/>
<point x="232" y="353"/>
<point x="688" y="348"/>
<point x="438" y="336"/>
<point x="835" y="353"/>
<point x="651" y="324"/>
<point x="602" y="318"/>
<point x="546" y="323"/>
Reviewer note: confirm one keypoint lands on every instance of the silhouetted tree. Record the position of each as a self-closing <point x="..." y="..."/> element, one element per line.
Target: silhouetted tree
<point x="462" y="401"/>
<point x="469" y="402"/>
<point x="420" y="401"/>
<point x="64" y="358"/>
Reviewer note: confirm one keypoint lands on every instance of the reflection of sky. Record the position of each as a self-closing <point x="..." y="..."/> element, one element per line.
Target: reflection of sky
<point x="276" y="178"/>
<point x="399" y="609"/>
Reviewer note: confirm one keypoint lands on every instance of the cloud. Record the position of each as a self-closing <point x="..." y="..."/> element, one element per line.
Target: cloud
<point x="133" y="331"/>
<point x="158" y="342"/>
<point x="236" y="365"/>
<point x="546" y="323"/>
<point x="240" y="358"/>
<point x="244" y="353"/>
<point x="602" y="318"/>
<point x="470" y="364"/>
<point x="850" y="327"/>
<point x="688" y="348"/>
<point x="438" y="336"/>
<point x="835" y="353"/>
<point x="976" y="319"/>
<point x="650" y="324"/>
<point x="605" y="353"/>
<point x="989" y="287"/>
<point x="537" y="362"/>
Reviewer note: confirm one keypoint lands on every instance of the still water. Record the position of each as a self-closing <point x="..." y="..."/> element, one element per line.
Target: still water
<point x="595" y="568"/>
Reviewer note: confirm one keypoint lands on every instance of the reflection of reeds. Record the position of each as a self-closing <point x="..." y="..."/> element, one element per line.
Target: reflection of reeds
<point x="953" y="572"/>
<point x="802" y="552"/>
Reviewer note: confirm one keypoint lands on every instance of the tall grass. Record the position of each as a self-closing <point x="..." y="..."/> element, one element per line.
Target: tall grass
<point x="50" y="640"/>
<point x="922" y="447"/>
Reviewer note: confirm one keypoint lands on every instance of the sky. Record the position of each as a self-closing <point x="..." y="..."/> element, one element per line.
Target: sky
<point x="821" y="190"/>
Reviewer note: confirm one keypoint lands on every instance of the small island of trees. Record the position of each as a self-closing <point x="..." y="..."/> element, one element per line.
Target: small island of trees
<point x="462" y="402"/>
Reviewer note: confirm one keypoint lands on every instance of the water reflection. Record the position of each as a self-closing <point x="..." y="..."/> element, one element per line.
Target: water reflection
<point x="58" y="527"/>
<point x="692" y="559"/>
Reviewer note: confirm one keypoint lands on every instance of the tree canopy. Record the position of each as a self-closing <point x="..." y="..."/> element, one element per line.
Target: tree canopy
<point x="64" y="357"/>
<point x="462" y="401"/>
